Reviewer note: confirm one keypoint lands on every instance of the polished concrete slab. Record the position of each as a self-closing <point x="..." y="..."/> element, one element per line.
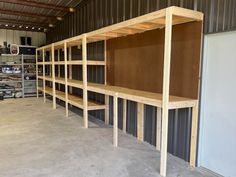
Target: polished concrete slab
<point x="37" y="141"/>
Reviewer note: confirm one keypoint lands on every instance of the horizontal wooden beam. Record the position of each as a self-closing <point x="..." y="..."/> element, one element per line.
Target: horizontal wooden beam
<point x="38" y="4"/>
<point x="26" y="14"/>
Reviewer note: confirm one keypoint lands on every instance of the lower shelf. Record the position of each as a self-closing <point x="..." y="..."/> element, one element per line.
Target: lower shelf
<point x="74" y="100"/>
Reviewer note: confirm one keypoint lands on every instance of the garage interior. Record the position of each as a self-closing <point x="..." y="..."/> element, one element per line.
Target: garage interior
<point x="117" y="88"/>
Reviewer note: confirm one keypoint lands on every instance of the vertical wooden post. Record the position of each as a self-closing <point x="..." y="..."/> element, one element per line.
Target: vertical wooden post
<point x="140" y="121"/>
<point x="59" y="67"/>
<point x="85" y="90"/>
<point x="165" y="98"/>
<point x="193" y="146"/>
<point x="44" y="82"/>
<point x="70" y="68"/>
<point x="37" y="79"/>
<point x="124" y="114"/>
<point x="158" y="130"/>
<point x="107" y="109"/>
<point x="115" y="120"/>
<point x="105" y="82"/>
<point x="66" y="78"/>
<point x="53" y="77"/>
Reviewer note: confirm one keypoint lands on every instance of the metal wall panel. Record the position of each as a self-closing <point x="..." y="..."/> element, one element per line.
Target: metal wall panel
<point x="220" y="15"/>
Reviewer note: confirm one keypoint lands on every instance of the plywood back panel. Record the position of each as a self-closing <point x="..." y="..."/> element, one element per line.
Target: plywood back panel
<point x="136" y="61"/>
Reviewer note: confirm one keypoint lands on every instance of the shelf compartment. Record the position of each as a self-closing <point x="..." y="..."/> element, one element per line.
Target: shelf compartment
<point x="75" y="83"/>
<point x="78" y="102"/>
<point x="60" y="95"/>
<point x="149" y="98"/>
<point x="48" y="78"/>
<point x="48" y="90"/>
<point x="60" y="80"/>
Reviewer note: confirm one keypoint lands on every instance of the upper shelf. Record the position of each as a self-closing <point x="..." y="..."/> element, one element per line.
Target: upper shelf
<point x="136" y="25"/>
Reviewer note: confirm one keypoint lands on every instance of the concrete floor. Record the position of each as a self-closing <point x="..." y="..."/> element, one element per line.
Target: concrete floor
<point x="37" y="141"/>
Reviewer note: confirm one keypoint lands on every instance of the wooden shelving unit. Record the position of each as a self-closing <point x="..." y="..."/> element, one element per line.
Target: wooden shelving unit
<point x="165" y="18"/>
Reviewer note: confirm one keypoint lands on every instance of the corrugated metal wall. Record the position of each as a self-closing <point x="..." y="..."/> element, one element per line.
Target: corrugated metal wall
<point x="220" y="16"/>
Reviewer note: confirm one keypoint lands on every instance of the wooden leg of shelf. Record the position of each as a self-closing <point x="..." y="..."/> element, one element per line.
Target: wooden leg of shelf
<point x="193" y="146"/>
<point x="140" y="121"/>
<point x="85" y="84"/>
<point x="158" y="130"/>
<point x="107" y="109"/>
<point x="165" y="98"/>
<point x="66" y="79"/>
<point x="53" y="77"/>
<point x="115" y="121"/>
<point x="124" y="115"/>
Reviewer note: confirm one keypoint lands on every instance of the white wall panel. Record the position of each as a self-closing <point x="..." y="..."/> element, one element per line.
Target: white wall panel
<point x="218" y="112"/>
<point x="13" y="36"/>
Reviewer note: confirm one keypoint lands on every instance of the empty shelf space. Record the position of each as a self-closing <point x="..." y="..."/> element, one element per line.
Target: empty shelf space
<point x="48" y="90"/>
<point x="60" y="80"/>
<point x="150" y="98"/>
<point x="78" y="102"/>
<point x="75" y="83"/>
<point x="48" y="78"/>
<point x="60" y="95"/>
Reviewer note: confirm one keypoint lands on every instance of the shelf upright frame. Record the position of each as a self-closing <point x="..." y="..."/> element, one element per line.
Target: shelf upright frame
<point x="44" y="81"/>
<point x="59" y="66"/>
<point x="53" y="76"/>
<point x="37" y="80"/>
<point x="66" y="79"/>
<point x="115" y="120"/>
<point x="105" y="82"/>
<point x="166" y="87"/>
<point x="85" y="83"/>
<point x="70" y="67"/>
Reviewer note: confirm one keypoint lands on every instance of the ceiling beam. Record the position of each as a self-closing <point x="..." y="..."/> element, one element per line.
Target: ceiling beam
<point x="22" y="22"/>
<point x="38" y="4"/>
<point x="26" y="14"/>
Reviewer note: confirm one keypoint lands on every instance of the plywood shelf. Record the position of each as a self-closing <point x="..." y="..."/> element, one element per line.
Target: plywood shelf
<point x="48" y="90"/>
<point x="75" y="83"/>
<point x="47" y="63"/>
<point x="48" y="78"/>
<point x="154" y="99"/>
<point x="60" y="80"/>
